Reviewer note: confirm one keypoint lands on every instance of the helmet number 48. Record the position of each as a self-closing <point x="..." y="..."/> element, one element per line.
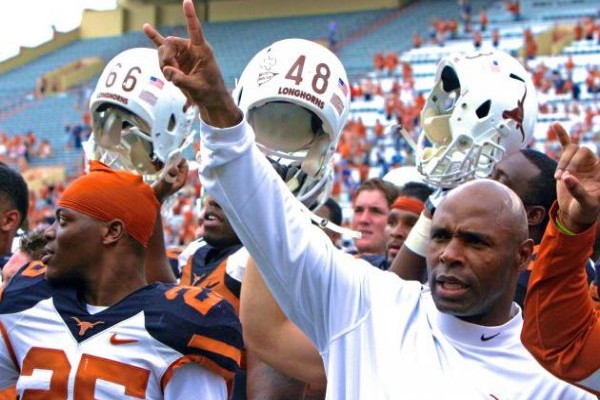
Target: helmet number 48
<point x="320" y="79"/>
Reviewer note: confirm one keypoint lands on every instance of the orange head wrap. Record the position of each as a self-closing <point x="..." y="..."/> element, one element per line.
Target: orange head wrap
<point x="107" y="194"/>
<point x="408" y="204"/>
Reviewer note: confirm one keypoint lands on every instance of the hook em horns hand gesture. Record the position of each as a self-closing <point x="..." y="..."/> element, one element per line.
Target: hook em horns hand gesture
<point x="191" y="65"/>
<point x="578" y="183"/>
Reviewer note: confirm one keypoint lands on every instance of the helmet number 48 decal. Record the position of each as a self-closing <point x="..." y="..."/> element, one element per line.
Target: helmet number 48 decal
<point x="129" y="81"/>
<point x="320" y="80"/>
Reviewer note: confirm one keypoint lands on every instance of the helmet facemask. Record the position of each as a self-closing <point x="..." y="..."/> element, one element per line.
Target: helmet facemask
<point x="471" y="120"/>
<point x="126" y="139"/>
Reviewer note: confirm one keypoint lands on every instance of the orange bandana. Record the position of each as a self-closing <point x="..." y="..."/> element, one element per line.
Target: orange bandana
<point x="107" y="194"/>
<point x="408" y="204"/>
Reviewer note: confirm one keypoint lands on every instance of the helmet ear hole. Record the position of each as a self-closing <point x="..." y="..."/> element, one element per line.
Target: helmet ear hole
<point x="172" y="123"/>
<point x="450" y="80"/>
<point x="484" y="109"/>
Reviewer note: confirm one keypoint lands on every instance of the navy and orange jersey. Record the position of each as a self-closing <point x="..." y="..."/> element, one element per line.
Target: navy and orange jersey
<point x="135" y="345"/>
<point x="221" y="271"/>
<point x="214" y="268"/>
<point x="173" y="253"/>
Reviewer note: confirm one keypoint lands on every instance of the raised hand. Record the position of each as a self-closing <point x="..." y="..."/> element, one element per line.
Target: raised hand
<point x="578" y="183"/>
<point x="191" y="65"/>
<point x="171" y="180"/>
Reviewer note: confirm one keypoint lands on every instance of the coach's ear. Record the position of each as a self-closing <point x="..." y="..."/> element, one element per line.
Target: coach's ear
<point x="524" y="255"/>
<point x="113" y="231"/>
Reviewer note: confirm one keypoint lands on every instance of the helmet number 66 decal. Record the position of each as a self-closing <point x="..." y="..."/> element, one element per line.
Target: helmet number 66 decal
<point x="128" y="83"/>
<point x="320" y="79"/>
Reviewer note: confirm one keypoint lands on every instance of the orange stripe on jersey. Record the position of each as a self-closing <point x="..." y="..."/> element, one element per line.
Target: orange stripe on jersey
<point x="174" y="252"/>
<point x="34" y="269"/>
<point x="9" y="393"/>
<point x="215" y="281"/>
<point x="215" y="346"/>
<point x="166" y="378"/>
<point x="9" y="346"/>
<point x="212" y="366"/>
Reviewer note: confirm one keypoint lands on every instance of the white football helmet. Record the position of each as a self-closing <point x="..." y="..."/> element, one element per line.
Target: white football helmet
<point x="295" y="94"/>
<point x="482" y="106"/>
<point x="139" y="118"/>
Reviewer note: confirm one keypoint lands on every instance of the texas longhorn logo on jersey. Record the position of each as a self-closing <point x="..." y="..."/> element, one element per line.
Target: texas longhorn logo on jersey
<point x="84" y="326"/>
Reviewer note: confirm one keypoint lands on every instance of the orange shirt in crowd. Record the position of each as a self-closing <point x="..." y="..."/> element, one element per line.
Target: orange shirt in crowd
<point x="578" y="31"/>
<point x="483" y="19"/>
<point x="561" y="328"/>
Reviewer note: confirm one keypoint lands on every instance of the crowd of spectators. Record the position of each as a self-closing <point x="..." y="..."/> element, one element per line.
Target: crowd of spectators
<point x="21" y="149"/>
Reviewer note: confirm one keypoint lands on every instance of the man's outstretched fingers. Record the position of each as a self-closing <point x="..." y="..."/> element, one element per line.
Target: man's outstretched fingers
<point x="193" y="24"/>
<point x="153" y="35"/>
<point x="561" y="133"/>
<point x="568" y="149"/>
<point x="169" y="52"/>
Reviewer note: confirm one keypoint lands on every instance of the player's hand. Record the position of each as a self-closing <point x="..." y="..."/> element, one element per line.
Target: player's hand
<point x="434" y="200"/>
<point x="171" y="180"/>
<point x="577" y="183"/>
<point x="191" y="65"/>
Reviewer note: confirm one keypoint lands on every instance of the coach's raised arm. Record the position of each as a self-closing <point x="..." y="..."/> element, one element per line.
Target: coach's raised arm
<point x="380" y="337"/>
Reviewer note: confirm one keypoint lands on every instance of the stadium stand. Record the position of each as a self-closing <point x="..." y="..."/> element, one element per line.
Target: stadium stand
<point x="566" y="94"/>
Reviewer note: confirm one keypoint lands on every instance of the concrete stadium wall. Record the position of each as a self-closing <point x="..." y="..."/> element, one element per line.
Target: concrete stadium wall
<point x="28" y="54"/>
<point x="102" y="23"/>
<point x="131" y="15"/>
<point x="234" y="10"/>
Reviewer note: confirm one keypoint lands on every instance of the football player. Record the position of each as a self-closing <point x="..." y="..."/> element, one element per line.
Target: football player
<point x="142" y="123"/>
<point x="83" y="323"/>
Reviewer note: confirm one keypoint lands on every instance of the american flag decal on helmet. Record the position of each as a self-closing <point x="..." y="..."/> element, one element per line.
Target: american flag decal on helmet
<point x="157" y="82"/>
<point x="337" y="103"/>
<point x="343" y="86"/>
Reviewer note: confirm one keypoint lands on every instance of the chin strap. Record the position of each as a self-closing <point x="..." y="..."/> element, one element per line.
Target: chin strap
<point x="324" y="223"/>
<point x="391" y="130"/>
<point x="175" y="157"/>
